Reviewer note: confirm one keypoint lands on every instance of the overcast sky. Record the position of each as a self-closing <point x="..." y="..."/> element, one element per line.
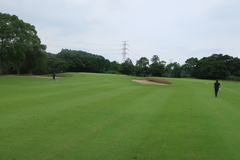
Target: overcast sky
<point x="175" y="30"/>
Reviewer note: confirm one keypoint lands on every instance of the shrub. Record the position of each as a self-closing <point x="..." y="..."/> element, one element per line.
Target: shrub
<point x="112" y="72"/>
<point x="233" y="78"/>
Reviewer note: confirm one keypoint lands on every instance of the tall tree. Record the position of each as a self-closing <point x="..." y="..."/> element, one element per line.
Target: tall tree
<point x="16" y="39"/>
<point x="157" y="66"/>
<point x="173" y="70"/>
<point x="155" y="59"/>
<point x="127" y="67"/>
<point x="232" y="63"/>
<point x="114" y="67"/>
<point x="142" y="67"/>
<point x="213" y="67"/>
<point x="189" y="67"/>
<point x="5" y="38"/>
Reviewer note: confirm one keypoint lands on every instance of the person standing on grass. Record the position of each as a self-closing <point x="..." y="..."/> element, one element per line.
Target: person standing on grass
<point x="216" y="87"/>
<point x="54" y="75"/>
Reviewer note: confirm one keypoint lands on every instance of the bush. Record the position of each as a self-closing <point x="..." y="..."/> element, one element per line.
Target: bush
<point x="112" y="72"/>
<point x="233" y="78"/>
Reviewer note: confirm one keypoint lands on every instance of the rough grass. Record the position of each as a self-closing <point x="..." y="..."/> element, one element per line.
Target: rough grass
<point x="100" y="116"/>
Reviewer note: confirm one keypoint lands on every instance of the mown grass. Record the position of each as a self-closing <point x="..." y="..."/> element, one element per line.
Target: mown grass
<point x="101" y="116"/>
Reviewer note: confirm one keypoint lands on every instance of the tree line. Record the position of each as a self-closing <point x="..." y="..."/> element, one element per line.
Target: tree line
<point x="21" y="51"/>
<point x="216" y="66"/>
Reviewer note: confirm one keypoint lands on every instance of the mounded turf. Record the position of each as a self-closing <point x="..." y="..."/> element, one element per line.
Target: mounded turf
<point x="109" y="117"/>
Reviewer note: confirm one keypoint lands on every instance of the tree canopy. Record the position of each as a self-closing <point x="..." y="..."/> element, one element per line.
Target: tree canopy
<point x="80" y="61"/>
<point x="18" y="43"/>
<point x="157" y="66"/>
<point x="142" y="67"/>
<point x="127" y="67"/>
<point x="217" y="66"/>
<point x="173" y="70"/>
<point x="189" y="67"/>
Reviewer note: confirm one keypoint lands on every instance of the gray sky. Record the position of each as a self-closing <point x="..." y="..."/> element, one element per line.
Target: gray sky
<point x="175" y="30"/>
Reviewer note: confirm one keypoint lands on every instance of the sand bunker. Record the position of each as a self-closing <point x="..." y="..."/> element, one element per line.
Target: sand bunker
<point x="144" y="81"/>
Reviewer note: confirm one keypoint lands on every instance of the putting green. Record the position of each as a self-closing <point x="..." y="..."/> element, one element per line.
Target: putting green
<point x="101" y="116"/>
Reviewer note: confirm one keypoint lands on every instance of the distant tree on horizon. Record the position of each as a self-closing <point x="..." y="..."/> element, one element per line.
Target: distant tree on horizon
<point x="127" y="67"/>
<point x="216" y="66"/>
<point x="157" y="66"/>
<point x="189" y="67"/>
<point x="173" y="70"/>
<point x="142" y="67"/>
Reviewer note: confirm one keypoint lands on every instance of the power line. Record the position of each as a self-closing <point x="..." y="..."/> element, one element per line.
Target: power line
<point x="136" y="52"/>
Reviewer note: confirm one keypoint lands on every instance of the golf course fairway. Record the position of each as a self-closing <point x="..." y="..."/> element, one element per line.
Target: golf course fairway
<point x="109" y="117"/>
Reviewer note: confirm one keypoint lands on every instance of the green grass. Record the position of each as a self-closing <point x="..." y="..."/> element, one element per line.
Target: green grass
<point x="109" y="117"/>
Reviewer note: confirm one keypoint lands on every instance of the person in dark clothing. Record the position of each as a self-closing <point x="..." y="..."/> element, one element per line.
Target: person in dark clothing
<point x="54" y="75"/>
<point x="216" y="87"/>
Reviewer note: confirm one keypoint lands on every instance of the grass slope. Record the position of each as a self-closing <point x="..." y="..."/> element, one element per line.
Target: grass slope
<point x="98" y="116"/>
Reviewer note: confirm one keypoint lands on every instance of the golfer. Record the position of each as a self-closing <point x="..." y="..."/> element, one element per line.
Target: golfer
<point x="54" y="75"/>
<point x="216" y="87"/>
